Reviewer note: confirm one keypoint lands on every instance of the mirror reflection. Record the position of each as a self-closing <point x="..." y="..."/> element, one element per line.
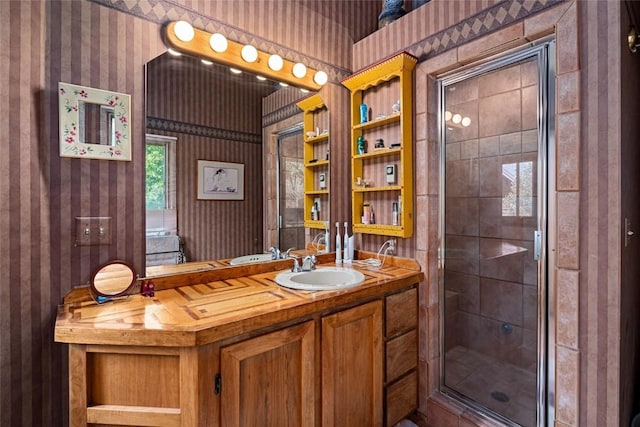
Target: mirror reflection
<point x="97" y="124"/>
<point x="113" y="279"/>
<point x="206" y="112"/>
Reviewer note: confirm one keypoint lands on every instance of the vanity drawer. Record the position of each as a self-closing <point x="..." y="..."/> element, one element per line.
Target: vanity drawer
<point x="402" y="355"/>
<point x="401" y="312"/>
<point x="402" y="398"/>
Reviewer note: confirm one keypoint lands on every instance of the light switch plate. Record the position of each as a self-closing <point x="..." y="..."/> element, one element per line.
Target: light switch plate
<point x="93" y="230"/>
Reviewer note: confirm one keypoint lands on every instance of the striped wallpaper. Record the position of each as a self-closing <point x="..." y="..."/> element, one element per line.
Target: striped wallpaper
<point x="84" y="42"/>
<point x="609" y="295"/>
<point x="630" y="268"/>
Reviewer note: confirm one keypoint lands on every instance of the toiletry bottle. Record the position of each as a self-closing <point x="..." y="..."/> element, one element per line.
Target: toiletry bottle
<point x="338" y="245"/>
<point x="361" y="147"/>
<point x="346" y="244"/>
<point x="326" y="237"/>
<point x="372" y="215"/>
<point x="364" y="113"/>
<point x="366" y="213"/>
<point x="314" y="212"/>
<point x="394" y="213"/>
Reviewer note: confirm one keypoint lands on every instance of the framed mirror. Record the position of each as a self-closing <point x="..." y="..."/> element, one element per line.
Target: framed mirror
<point x="216" y="118"/>
<point x="113" y="279"/>
<point x="94" y="123"/>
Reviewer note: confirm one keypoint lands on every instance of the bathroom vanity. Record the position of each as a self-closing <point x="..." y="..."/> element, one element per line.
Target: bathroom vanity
<point x="229" y="346"/>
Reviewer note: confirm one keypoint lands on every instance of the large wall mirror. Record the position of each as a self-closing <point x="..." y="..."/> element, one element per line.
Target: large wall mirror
<point x="94" y="123"/>
<point x="216" y="115"/>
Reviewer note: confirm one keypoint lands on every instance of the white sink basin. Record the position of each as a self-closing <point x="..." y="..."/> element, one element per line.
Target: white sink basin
<point x="321" y="279"/>
<point x="250" y="259"/>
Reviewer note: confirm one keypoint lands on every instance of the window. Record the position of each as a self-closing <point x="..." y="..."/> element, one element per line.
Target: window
<point x="161" y="185"/>
<point x="517" y="190"/>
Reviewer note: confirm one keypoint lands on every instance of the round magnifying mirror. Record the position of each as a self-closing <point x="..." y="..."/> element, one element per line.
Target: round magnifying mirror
<point x="113" y="279"/>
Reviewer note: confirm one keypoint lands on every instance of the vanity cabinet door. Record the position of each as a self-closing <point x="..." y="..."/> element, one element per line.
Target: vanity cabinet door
<point x="352" y="366"/>
<point x="269" y="380"/>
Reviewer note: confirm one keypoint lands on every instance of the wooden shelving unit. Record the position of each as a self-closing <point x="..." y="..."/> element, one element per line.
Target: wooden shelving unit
<point x="380" y="86"/>
<point x="316" y="159"/>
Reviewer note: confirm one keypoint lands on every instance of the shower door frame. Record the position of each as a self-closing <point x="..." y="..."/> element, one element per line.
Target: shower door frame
<point x="543" y="51"/>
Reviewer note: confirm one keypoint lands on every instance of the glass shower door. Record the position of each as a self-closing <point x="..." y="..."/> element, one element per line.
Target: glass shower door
<point x="491" y="216"/>
<point x="291" y="189"/>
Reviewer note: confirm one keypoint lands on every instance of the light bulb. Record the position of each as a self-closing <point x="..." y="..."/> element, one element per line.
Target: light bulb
<point x="466" y="121"/>
<point x="174" y="52"/>
<point x="283" y="84"/>
<point x="275" y="62"/>
<point x="218" y="42"/>
<point x="184" y="31"/>
<point x="206" y="62"/>
<point x="249" y="53"/>
<point x="320" y="78"/>
<point x="235" y="71"/>
<point x="299" y="70"/>
<point x="304" y="90"/>
<point x="447" y="115"/>
<point x="261" y="78"/>
<point x="457" y="118"/>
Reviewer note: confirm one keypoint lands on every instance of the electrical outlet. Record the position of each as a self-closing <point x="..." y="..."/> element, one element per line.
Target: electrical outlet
<point x="392" y="247"/>
<point x="93" y="230"/>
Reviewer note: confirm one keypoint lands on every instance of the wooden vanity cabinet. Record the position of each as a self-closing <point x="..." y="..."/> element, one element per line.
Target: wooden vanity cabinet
<point x="269" y="380"/>
<point x="368" y="369"/>
<point x="349" y="365"/>
<point x="352" y="366"/>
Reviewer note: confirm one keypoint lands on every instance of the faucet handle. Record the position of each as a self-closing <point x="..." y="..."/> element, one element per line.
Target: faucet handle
<point x="275" y="252"/>
<point x="309" y="263"/>
<point x="296" y="265"/>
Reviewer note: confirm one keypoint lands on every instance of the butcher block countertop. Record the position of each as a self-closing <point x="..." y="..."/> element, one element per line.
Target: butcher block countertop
<point x="198" y="308"/>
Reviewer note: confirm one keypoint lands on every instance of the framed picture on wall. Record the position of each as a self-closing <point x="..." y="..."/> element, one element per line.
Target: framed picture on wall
<point x="220" y="180"/>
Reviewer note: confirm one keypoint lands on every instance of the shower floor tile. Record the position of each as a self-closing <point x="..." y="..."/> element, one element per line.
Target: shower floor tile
<point x="504" y="388"/>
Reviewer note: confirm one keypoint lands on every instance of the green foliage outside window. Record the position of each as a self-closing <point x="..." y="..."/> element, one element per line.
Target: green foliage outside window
<point x="156" y="176"/>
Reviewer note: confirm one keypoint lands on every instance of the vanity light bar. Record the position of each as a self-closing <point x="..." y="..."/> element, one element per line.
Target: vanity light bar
<point x="199" y="46"/>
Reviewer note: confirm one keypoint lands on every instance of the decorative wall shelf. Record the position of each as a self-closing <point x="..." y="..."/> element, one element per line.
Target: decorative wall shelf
<point x="316" y="159"/>
<point x="380" y="86"/>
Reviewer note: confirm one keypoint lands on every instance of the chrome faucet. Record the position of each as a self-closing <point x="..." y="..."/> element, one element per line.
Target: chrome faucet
<point x="277" y="254"/>
<point x="308" y="264"/>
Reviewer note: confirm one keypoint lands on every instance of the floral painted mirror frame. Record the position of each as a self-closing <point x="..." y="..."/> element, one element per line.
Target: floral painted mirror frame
<point x="115" y="118"/>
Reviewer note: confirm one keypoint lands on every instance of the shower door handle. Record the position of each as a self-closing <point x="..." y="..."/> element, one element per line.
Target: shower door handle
<point x="537" y="245"/>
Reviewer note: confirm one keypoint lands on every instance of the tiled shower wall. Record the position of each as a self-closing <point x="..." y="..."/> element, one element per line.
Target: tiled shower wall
<point x="490" y="273"/>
